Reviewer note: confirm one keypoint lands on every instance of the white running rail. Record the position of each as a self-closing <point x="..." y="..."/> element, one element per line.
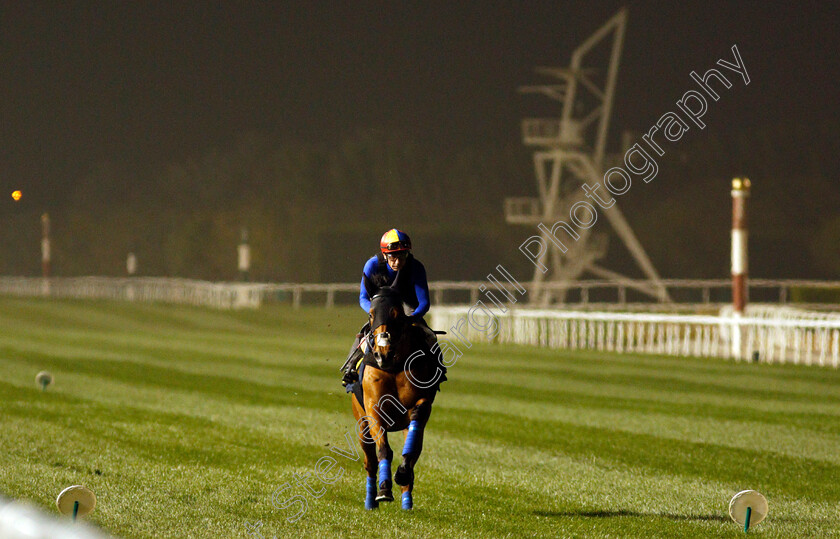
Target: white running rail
<point x="218" y="295"/>
<point x="695" y="295"/>
<point x="771" y="340"/>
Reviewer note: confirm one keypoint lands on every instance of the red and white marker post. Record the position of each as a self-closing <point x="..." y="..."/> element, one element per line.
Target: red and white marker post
<point x="740" y="193"/>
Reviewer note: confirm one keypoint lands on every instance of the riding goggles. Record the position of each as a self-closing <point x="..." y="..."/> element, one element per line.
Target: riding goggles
<point x="398" y="246"/>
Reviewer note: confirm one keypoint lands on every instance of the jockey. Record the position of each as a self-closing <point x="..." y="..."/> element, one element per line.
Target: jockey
<point x="381" y="269"/>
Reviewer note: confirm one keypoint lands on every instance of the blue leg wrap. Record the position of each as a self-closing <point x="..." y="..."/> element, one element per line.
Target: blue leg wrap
<point x="384" y="470"/>
<point x="413" y="443"/>
<point x="370" y="494"/>
<point x="407" y="501"/>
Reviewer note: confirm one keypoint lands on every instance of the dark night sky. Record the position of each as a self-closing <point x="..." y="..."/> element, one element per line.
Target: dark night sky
<point x="149" y="82"/>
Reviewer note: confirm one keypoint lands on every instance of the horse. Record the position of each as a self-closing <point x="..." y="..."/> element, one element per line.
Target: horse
<point x="399" y="382"/>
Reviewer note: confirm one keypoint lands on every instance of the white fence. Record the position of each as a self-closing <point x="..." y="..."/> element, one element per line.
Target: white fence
<point x="689" y="295"/>
<point x="771" y="340"/>
<point x="218" y="295"/>
<point x="773" y="333"/>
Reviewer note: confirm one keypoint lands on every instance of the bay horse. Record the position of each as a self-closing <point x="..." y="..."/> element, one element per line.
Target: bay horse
<point x="398" y="381"/>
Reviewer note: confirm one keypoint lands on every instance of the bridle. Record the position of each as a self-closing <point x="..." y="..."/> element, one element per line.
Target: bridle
<point x="383" y="338"/>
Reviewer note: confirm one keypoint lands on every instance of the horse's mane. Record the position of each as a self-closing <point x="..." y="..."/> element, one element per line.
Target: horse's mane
<point x="380" y="281"/>
<point x="388" y="292"/>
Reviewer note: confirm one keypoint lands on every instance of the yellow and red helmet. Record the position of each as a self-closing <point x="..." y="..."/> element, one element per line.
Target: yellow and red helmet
<point x="394" y="241"/>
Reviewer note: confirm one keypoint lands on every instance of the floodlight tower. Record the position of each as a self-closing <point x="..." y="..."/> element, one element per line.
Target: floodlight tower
<point x="570" y="153"/>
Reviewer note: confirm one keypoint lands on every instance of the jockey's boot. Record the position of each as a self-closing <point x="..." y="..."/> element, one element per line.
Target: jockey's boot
<point x="350" y="373"/>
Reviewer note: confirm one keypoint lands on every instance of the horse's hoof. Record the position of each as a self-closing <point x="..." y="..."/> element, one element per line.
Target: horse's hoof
<point x="384" y="496"/>
<point x="407" y="501"/>
<point x="403" y="476"/>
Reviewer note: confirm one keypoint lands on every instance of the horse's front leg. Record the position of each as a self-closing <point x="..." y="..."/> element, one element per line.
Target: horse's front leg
<point x="371" y="462"/>
<point x="384" y="454"/>
<point x="371" y="501"/>
<point x="404" y="475"/>
<point x="369" y="451"/>
<point x="376" y="384"/>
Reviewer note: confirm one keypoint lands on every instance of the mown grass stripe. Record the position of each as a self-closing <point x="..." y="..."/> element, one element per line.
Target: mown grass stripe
<point x="819" y="418"/>
<point x="807" y="478"/>
<point x="206" y="413"/>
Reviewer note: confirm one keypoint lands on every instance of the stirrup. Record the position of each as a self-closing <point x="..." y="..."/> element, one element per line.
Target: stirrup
<point x="351" y="376"/>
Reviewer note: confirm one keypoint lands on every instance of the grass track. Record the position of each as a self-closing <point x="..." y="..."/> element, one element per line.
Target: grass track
<point x="184" y="421"/>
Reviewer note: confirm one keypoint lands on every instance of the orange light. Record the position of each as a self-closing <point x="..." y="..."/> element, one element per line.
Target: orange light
<point x="16" y="195"/>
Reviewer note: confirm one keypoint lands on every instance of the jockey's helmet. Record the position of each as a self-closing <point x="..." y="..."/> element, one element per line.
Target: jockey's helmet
<point x="394" y="241"/>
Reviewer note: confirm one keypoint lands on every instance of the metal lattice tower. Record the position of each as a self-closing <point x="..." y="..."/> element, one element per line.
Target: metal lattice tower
<point x="570" y="153"/>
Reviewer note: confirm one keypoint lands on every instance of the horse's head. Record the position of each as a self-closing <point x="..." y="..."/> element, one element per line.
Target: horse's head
<point x="387" y="324"/>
